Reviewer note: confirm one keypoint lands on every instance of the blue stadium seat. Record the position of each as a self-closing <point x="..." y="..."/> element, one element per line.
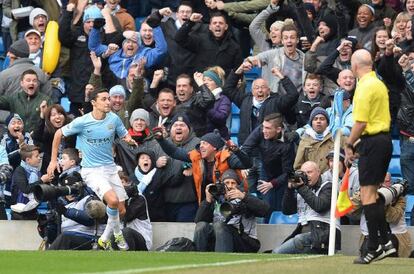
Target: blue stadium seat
<point x="234" y="109"/>
<point x="396" y="151"/>
<point x="408" y="208"/>
<point x="249" y="86"/>
<point x="278" y="217"/>
<point x="138" y="22"/>
<point x="235" y="124"/>
<point x="235" y="140"/>
<point x="65" y="103"/>
<point x="394" y="168"/>
<point x="253" y="73"/>
<point x="1" y="46"/>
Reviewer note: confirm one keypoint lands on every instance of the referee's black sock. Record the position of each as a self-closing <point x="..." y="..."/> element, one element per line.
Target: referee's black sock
<point x="370" y="212"/>
<point x="383" y="226"/>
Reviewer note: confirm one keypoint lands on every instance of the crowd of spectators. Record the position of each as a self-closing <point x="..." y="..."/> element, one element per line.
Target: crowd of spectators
<point x="174" y="68"/>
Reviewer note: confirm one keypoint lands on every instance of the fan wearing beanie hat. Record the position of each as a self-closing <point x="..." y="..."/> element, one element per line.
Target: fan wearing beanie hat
<point x="15" y="131"/>
<point x="19" y="49"/>
<point x="318" y="111"/>
<point x="316" y="142"/>
<point x="122" y="107"/>
<point x="131" y="52"/>
<point x="117" y="96"/>
<point x="213" y="139"/>
<point x="139" y="122"/>
<point x="38" y="19"/>
<point x="91" y="13"/>
<point x="181" y="130"/>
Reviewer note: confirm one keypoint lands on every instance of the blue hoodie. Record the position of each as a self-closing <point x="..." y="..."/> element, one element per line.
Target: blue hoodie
<point x="119" y="63"/>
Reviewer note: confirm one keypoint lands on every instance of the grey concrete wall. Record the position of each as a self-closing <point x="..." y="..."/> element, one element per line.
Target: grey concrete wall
<point x="22" y="235"/>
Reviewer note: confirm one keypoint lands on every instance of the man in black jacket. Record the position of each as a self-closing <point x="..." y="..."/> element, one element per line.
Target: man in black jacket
<point x="277" y="154"/>
<point x="180" y="60"/>
<point x="229" y="232"/>
<point x="256" y="105"/>
<point x="215" y="47"/>
<point x="309" y="196"/>
<point x="310" y="98"/>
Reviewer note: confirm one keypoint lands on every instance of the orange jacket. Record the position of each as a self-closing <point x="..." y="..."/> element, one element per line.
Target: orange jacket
<point x="220" y="164"/>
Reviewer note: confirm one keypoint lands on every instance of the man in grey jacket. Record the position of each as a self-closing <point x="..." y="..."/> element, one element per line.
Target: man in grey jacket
<point x="287" y="58"/>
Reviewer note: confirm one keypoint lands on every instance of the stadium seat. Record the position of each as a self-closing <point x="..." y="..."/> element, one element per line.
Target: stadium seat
<point x="249" y="86"/>
<point x="235" y="124"/>
<point x="253" y="73"/>
<point x="235" y="140"/>
<point x="394" y="168"/>
<point x="1" y="46"/>
<point x="138" y="22"/>
<point x="65" y="103"/>
<point x="408" y="208"/>
<point x="396" y="151"/>
<point x="234" y="109"/>
<point x="278" y="217"/>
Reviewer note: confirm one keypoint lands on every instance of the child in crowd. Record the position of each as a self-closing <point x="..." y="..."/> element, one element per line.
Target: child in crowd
<point x="25" y="178"/>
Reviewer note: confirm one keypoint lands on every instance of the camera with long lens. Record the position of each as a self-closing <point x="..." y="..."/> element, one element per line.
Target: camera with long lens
<point x="69" y="185"/>
<point x="297" y="177"/>
<point x="391" y="194"/>
<point x="228" y="209"/>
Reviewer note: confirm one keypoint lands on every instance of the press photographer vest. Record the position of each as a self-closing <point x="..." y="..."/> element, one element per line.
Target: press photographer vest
<point x="306" y="213"/>
<point x="72" y="226"/>
<point x="220" y="165"/>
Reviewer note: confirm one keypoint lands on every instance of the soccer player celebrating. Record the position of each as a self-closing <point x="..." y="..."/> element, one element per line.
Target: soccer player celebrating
<point x="95" y="136"/>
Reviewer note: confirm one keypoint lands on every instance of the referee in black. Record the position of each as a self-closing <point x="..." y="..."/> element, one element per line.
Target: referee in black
<point x="372" y="121"/>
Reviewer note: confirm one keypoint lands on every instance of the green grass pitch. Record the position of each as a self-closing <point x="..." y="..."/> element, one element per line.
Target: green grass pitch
<point x="29" y="262"/>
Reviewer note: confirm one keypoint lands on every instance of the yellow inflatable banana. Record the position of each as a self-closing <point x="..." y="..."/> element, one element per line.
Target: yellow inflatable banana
<point x="51" y="47"/>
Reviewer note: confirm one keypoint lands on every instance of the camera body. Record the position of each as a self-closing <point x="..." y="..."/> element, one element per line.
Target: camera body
<point x="69" y="185"/>
<point x="218" y="190"/>
<point x="297" y="177"/>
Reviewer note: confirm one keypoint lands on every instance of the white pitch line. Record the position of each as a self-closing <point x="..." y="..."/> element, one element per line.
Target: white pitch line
<point x="177" y="267"/>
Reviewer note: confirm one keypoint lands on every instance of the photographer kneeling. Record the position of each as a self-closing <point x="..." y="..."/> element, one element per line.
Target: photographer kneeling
<point x="310" y="197"/>
<point x="83" y="214"/>
<point x="233" y="216"/>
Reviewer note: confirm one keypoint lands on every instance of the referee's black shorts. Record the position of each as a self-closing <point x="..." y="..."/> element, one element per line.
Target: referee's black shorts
<point x="375" y="154"/>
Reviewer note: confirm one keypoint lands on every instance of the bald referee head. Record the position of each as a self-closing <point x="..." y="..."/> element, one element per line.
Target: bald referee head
<point x="361" y="62"/>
